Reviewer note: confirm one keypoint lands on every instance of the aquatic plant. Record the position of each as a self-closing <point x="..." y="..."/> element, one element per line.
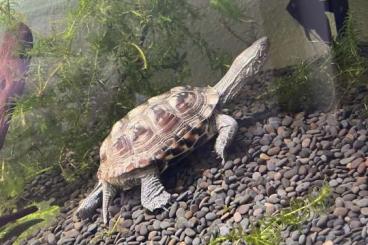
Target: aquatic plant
<point x="267" y="231"/>
<point x="8" y="15"/>
<point x="25" y="226"/>
<point x="294" y="90"/>
<point x="95" y="66"/>
<point x="351" y="65"/>
<point x="227" y="8"/>
<point x="343" y="69"/>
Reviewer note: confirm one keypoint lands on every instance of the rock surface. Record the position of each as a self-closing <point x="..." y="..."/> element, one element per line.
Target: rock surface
<point x="271" y="161"/>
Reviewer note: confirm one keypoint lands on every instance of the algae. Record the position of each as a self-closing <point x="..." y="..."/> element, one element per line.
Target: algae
<point x="24" y="227"/>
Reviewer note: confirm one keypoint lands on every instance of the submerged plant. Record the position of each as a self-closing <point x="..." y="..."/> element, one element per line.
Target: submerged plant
<point x="351" y="66"/>
<point x="267" y="231"/>
<point x="309" y="82"/>
<point x="25" y="226"/>
<point x="294" y="90"/>
<point x="227" y="8"/>
<point x="92" y="69"/>
<point x="8" y="15"/>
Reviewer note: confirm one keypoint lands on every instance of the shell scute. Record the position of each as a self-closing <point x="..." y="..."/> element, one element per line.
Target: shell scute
<point x="183" y="102"/>
<point x="162" y="117"/>
<point x="140" y="133"/>
<point x="163" y="128"/>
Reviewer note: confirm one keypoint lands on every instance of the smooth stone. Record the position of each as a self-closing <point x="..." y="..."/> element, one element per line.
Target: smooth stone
<point x="72" y="233"/>
<point x="340" y="211"/>
<point x="196" y="241"/>
<point x="306" y="142"/>
<point x="210" y="216"/>
<point x="347" y="160"/>
<point x="237" y="217"/>
<point x="333" y="183"/>
<point x="92" y="228"/>
<point x="51" y="239"/>
<point x="143" y="231"/>
<point x="173" y="210"/>
<point x="271" y="166"/>
<point x="243" y="209"/>
<point x="164" y="225"/>
<point x="189" y="232"/>
<point x="302" y="187"/>
<point x="329" y="242"/>
<point x="273" y="151"/>
<point x="322" y="221"/>
<point x="127" y="223"/>
<point x="290" y="173"/>
<point x="364" y="211"/>
<point x="361" y="202"/>
<point x="258" y="212"/>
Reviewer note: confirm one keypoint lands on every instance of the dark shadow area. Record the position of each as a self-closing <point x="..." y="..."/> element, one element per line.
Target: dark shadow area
<point x="311" y="15"/>
<point x="182" y="173"/>
<point x="19" y="229"/>
<point x="340" y="10"/>
<point x="363" y="47"/>
<point x="17" y="215"/>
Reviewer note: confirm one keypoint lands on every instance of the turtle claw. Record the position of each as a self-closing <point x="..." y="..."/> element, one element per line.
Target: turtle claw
<point x="222" y="158"/>
<point x="88" y="206"/>
<point x="166" y="207"/>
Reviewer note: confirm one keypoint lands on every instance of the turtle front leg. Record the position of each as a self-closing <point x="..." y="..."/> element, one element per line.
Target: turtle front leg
<point x="226" y="127"/>
<point x="108" y="193"/>
<point x="153" y="193"/>
<point x="90" y="203"/>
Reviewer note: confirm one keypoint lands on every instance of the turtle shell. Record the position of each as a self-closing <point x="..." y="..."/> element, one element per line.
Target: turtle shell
<point x="163" y="128"/>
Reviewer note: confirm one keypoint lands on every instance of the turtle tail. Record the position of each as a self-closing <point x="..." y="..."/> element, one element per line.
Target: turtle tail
<point x="91" y="202"/>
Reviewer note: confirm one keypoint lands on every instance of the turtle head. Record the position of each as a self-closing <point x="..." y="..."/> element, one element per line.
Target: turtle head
<point x="260" y="50"/>
<point x="243" y="69"/>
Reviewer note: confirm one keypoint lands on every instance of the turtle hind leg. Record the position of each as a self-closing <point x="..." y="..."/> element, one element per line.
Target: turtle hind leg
<point x="90" y="203"/>
<point x="153" y="193"/>
<point x="108" y="193"/>
<point x="227" y="128"/>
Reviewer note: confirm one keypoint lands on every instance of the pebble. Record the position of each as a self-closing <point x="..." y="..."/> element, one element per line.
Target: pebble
<point x="322" y="221"/>
<point x="164" y="225"/>
<point x="92" y="228"/>
<point x="364" y="211"/>
<point x="189" y="232"/>
<point x="329" y="242"/>
<point x="283" y="159"/>
<point x="361" y="202"/>
<point x="345" y="161"/>
<point x="273" y="151"/>
<point x="340" y="211"/>
<point x="211" y="216"/>
<point x="51" y="239"/>
<point x="71" y="233"/>
<point x="333" y="183"/>
<point x="290" y="173"/>
<point x="271" y="166"/>
<point x="237" y="217"/>
<point x="302" y="187"/>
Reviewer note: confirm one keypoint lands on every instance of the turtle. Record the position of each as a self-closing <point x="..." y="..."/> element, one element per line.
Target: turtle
<point x="165" y="128"/>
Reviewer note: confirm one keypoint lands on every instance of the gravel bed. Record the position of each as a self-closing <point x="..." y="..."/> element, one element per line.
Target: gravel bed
<point x="272" y="161"/>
